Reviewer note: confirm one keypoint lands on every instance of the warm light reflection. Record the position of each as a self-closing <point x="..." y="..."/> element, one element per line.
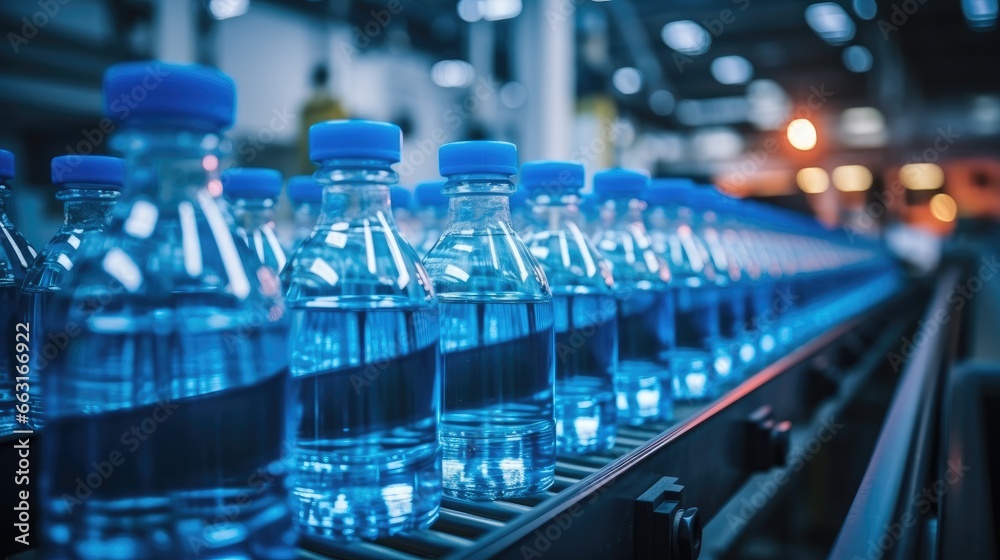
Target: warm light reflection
<point x="944" y="207"/>
<point x="921" y="176"/>
<point x="210" y="162"/>
<point x="852" y="178"/>
<point x="812" y="180"/>
<point x="215" y="188"/>
<point x="802" y="134"/>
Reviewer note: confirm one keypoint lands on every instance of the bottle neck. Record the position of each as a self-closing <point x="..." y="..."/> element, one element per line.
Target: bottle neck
<point x="5" y="195"/>
<point x="169" y="165"/>
<point x="253" y="213"/>
<point x="478" y="200"/>
<point x="86" y="209"/>
<point x="356" y="190"/>
<point x="627" y="213"/>
<point x="552" y="211"/>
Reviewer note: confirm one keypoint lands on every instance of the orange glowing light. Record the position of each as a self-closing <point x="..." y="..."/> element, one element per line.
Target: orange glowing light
<point x="802" y="134"/>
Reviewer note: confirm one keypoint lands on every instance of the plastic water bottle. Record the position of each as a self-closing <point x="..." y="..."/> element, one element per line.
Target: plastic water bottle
<point x="253" y="193"/>
<point x="165" y="414"/>
<point x="712" y="209"/>
<point x="497" y="423"/>
<point x="586" y="321"/>
<point x="519" y="211"/>
<point x="645" y="316"/>
<point x="306" y="196"/>
<point x="401" y="200"/>
<point x="432" y="211"/>
<point x="364" y="342"/>
<point x="88" y="187"/>
<point x="698" y="351"/>
<point x="762" y="307"/>
<point x="16" y="255"/>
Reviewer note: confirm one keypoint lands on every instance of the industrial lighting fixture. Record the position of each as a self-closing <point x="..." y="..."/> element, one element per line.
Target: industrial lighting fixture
<point x="662" y="102"/>
<point x="627" y="80"/>
<point x="857" y="58"/>
<point x="944" y="207"/>
<point x="496" y="10"/>
<point x="812" y="180"/>
<point x="716" y="143"/>
<point x="490" y="10"/>
<point x="802" y="134"/>
<point x="981" y="15"/>
<point x="830" y="22"/>
<point x="686" y="37"/>
<point x="225" y="9"/>
<point x="866" y="9"/>
<point x="469" y="11"/>
<point x="732" y="70"/>
<point x="769" y="104"/>
<point x="863" y="127"/>
<point x="852" y="178"/>
<point x="921" y="176"/>
<point x="513" y="94"/>
<point x="453" y="73"/>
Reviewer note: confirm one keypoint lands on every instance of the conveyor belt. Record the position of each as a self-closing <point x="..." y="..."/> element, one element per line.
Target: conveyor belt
<point x="462" y="522"/>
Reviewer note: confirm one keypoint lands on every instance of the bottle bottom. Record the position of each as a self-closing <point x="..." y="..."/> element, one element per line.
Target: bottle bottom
<point x="245" y="523"/>
<point x="347" y="494"/>
<point x="642" y="391"/>
<point x="487" y="458"/>
<point x="585" y="416"/>
<point x="692" y="374"/>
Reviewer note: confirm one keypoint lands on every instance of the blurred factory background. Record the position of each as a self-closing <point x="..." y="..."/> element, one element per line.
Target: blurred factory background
<point x="874" y="114"/>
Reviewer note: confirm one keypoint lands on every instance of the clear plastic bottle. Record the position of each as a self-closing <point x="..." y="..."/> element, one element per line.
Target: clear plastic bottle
<point x="88" y="187"/>
<point x="402" y="210"/>
<point x="16" y="255"/>
<point x="497" y="423"/>
<point x="432" y="212"/>
<point x="306" y="196"/>
<point x="519" y="211"/>
<point x="586" y="321"/>
<point x="165" y="415"/>
<point x="642" y="282"/>
<point x="713" y="210"/>
<point x="698" y="353"/>
<point x="252" y="193"/>
<point x="364" y="340"/>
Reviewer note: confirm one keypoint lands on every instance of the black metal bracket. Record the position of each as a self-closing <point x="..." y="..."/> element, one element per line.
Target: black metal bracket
<point x="663" y="528"/>
<point x="766" y="441"/>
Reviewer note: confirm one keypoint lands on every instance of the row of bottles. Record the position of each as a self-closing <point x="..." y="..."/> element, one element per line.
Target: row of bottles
<point x="375" y="363"/>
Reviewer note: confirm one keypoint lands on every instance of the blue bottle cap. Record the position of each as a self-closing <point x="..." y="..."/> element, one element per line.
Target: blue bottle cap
<point x="619" y="183"/>
<point x="480" y="156"/>
<point x="399" y="197"/>
<point x="662" y="192"/>
<point x="6" y="165"/>
<point x="251" y="182"/>
<point x="708" y="197"/>
<point x="428" y="195"/>
<point x="355" y="139"/>
<point x="189" y="95"/>
<point x="88" y="171"/>
<point x="303" y="189"/>
<point x="551" y="176"/>
<point x="519" y="198"/>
